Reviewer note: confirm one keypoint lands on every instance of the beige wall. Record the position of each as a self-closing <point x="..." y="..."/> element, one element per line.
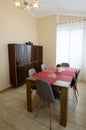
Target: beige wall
<point x="19" y="27"/>
<point x="15" y="26"/>
<point x="47" y="38"/>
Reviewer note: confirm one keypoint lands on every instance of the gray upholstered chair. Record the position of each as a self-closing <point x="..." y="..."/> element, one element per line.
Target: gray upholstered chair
<point x="45" y="92"/>
<point x="65" y="64"/>
<point x="74" y="86"/>
<point x="43" y="67"/>
<point x="32" y="72"/>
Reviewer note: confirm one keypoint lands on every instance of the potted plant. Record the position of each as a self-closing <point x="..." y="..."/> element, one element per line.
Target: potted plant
<point x="58" y="67"/>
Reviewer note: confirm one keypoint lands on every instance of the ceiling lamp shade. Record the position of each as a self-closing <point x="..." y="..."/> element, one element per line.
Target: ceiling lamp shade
<point x="17" y="4"/>
<point x="26" y="5"/>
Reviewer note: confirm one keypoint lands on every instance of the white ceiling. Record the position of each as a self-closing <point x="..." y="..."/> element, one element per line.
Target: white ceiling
<point x="67" y="7"/>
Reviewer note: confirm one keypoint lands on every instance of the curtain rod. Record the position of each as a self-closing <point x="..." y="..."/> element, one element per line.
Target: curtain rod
<point x="71" y="21"/>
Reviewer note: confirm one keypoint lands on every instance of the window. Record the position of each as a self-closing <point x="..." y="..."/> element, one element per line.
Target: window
<point x="71" y="43"/>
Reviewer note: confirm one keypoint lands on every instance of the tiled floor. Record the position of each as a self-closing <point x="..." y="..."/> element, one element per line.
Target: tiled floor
<point x="14" y="114"/>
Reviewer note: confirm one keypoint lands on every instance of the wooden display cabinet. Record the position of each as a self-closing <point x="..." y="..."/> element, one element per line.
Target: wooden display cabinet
<point x="22" y="57"/>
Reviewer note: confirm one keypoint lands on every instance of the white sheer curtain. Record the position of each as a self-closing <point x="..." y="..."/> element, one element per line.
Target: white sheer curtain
<point x="71" y="44"/>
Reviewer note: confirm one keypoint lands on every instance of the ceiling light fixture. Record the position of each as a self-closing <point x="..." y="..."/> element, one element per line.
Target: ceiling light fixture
<point x="26" y="5"/>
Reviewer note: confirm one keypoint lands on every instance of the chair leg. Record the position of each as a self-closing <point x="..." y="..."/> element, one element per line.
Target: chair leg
<point x="50" y="112"/>
<point x="50" y="116"/>
<point x="39" y="106"/>
<point x="74" y="88"/>
<point x="77" y="91"/>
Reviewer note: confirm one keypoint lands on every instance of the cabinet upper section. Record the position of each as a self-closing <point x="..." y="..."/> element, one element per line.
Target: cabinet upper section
<point x="25" y="54"/>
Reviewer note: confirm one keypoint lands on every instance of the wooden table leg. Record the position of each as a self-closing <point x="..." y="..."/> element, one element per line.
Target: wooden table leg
<point x="64" y="106"/>
<point x="28" y="93"/>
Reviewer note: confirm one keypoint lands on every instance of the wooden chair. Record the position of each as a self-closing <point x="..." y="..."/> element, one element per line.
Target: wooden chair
<point x="46" y="93"/>
<point x="32" y="72"/>
<point x="65" y="64"/>
<point x="43" y="67"/>
<point x="76" y="92"/>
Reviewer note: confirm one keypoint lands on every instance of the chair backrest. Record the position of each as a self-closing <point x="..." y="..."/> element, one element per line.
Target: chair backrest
<point x="31" y="72"/>
<point x="43" y="67"/>
<point x="44" y="90"/>
<point x="77" y="76"/>
<point x="65" y="64"/>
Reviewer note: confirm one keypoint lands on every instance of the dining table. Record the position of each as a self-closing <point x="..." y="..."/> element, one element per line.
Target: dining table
<point x="60" y="81"/>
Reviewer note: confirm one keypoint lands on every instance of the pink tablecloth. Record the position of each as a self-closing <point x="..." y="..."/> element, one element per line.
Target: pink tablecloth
<point x="66" y="71"/>
<point x="51" y="75"/>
